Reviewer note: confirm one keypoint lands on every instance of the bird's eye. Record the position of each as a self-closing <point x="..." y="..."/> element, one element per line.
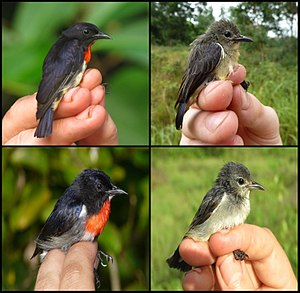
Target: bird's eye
<point x="86" y="31"/>
<point x="241" y="181"/>
<point x="227" y="34"/>
<point x="99" y="186"/>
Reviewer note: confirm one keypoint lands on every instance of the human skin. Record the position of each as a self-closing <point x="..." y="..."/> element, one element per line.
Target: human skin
<point x="81" y="117"/>
<point x="267" y="267"/>
<point x="225" y="114"/>
<point x="74" y="270"/>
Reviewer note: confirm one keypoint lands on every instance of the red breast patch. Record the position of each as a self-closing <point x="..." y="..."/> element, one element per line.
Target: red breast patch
<point x="88" y="54"/>
<point x="96" y="223"/>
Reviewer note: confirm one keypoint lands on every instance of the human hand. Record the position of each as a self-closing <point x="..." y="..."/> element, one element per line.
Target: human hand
<point x="267" y="268"/>
<point x="74" y="270"/>
<point x="80" y="117"/>
<point x="225" y="114"/>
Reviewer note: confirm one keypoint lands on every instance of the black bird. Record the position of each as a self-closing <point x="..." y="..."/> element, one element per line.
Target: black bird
<point x="80" y="214"/>
<point x="63" y="69"/>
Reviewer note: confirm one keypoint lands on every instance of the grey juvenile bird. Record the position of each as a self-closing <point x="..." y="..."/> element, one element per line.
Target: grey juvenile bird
<point x="213" y="56"/>
<point x="226" y="205"/>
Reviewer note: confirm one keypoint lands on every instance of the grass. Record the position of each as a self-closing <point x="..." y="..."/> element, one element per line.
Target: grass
<point x="182" y="176"/>
<point x="273" y="81"/>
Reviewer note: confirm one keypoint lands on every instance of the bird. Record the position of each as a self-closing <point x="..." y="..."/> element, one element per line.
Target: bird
<point x="63" y="69"/>
<point x="225" y="205"/>
<point x="212" y="57"/>
<point x="80" y="214"/>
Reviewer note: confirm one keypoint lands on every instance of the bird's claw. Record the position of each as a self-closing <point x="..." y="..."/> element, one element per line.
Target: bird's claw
<point x="107" y="257"/>
<point x="97" y="278"/>
<point x="240" y="255"/>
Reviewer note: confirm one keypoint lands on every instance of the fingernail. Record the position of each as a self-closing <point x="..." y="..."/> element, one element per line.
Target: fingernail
<point x="212" y="86"/>
<point x="236" y="68"/>
<point x="91" y="110"/>
<point x="86" y="114"/>
<point x="68" y="97"/>
<point x="198" y="270"/>
<point x="214" y="120"/>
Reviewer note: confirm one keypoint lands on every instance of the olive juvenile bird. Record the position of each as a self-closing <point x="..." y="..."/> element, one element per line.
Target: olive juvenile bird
<point x="63" y="69"/>
<point x="226" y="205"/>
<point x="213" y="56"/>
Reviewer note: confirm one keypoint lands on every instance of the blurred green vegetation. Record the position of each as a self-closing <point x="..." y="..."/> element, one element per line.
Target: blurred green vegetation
<point x="29" y="29"/>
<point x="34" y="178"/>
<point x="180" y="178"/>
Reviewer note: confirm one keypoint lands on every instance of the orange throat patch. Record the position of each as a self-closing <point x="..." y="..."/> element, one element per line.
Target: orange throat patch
<point x="96" y="223"/>
<point x="88" y="54"/>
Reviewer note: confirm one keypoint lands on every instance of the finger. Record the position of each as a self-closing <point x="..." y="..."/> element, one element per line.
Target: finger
<point x="199" y="279"/>
<point x="17" y="120"/>
<point x="98" y="96"/>
<point x="72" y="129"/>
<point x="216" y="96"/>
<point x="78" y="99"/>
<point x="235" y="140"/>
<point x="196" y="253"/>
<point x="210" y="127"/>
<point x="74" y="102"/>
<point x="18" y="125"/>
<point x="239" y="237"/>
<point x="50" y="271"/>
<point x="66" y="131"/>
<point x="78" y="269"/>
<point x="261" y="121"/>
<point x="238" y="75"/>
<point x="91" y="78"/>
<point x="237" y="275"/>
<point x="106" y="134"/>
<point x="264" y="251"/>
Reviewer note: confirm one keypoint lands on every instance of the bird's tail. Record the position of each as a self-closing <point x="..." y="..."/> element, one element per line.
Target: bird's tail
<point x="44" y="127"/>
<point x="180" y="113"/>
<point x="176" y="262"/>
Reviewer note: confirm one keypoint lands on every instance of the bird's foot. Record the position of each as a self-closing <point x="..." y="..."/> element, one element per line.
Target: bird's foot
<point x="240" y="255"/>
<point x="107" y="257"/>
<point x="245" y="84"/>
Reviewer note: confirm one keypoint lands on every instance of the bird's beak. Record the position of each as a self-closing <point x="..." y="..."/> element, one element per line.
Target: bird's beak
<point x="102" y="35"/>
<point x="255" y="185"/>
<point x="243" y="39"/>
<point x="116" y="191"/>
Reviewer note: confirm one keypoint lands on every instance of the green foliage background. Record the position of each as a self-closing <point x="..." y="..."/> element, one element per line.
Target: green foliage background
<point x="123" y="61"/>
<point x="34" y="178"/>
<point x="180" y="178"/>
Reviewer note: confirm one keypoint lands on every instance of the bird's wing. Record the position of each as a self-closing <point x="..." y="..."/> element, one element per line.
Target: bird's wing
<point x="60" y="66"/>
<point x="61" y="220"/>
<point x="210" y="202"/>
<point x="203" y="60"/>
